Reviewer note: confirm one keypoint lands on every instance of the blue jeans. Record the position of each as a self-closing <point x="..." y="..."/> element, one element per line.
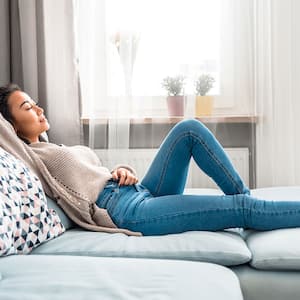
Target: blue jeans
<point x="157" y="206"/>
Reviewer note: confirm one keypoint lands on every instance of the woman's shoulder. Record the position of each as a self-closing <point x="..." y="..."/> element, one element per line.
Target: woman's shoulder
<point x="45" y="150"/>
<point x="48" y="150"/>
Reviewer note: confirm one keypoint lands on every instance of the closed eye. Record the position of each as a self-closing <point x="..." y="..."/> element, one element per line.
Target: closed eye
<point x="28" y="105"/>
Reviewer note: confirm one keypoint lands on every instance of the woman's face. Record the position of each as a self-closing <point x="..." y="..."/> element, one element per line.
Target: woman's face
<point x="28" y="118"/>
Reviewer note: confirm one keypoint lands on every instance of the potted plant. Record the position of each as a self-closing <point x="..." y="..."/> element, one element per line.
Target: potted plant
<point x="204" y="103"/>
<point x="175" y="100"/>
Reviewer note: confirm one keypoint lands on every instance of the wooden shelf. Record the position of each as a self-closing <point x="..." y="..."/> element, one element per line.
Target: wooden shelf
<point x="174" y="120"/>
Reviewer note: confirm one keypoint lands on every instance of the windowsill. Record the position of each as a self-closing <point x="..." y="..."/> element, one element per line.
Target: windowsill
<point x="173" y="120"/>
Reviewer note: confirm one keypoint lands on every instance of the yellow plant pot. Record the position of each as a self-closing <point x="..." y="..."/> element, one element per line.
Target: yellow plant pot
<point x="204" y="106"/>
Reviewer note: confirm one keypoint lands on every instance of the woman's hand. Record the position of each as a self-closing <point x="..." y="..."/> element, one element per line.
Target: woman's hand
<point x="124" y="176"/>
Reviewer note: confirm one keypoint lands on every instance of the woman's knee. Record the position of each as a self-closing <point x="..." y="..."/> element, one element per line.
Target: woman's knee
<point x="190" y="124"/>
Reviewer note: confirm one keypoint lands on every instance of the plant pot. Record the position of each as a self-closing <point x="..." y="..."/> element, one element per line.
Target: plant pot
<point x="204" y="106"/>
<point x="176" y="106"/>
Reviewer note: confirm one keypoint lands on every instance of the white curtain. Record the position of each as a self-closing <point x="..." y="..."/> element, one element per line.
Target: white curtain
<point x="94" y="47"/>
<point x="277" y="69"/>
<point x="237" y="57"/>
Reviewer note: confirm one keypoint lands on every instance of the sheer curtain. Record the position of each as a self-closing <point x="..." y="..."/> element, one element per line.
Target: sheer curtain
<point x="277" y="65"/>
<point x="96" y="70"/>
<point x="237" y="57"/>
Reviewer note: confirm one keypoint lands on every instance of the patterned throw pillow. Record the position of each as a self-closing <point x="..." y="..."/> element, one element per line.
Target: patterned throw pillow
<point x="25" y="220"/>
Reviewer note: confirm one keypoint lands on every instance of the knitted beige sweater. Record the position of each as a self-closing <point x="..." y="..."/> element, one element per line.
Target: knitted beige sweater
<point x="73" y="176"/>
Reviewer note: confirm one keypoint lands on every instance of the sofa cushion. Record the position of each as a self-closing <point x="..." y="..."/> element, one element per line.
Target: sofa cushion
<point x="25" y="220"/>
<point x="66" y="221"/>
<point x="224" y="248"/>
<point x="70" y="277"/>
<point x="275" y="249"/>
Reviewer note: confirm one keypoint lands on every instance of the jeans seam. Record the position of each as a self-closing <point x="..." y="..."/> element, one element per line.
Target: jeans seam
<point x="286" y="212"/>
<point x="167" y="160"/>
<point x="184" y="214"/>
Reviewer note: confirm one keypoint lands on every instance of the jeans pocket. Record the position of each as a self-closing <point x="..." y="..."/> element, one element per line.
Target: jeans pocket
<point x="106" y="195"/>
<point x="112" y="200"/>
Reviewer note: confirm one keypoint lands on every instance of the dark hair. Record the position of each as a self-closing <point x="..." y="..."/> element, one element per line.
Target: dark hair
<point x="5" y="92"/>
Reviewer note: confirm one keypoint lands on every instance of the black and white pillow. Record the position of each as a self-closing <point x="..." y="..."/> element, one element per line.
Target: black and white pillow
<point x="25" y="220"/>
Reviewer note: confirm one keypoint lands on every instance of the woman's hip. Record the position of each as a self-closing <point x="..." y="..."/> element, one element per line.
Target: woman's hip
<point x="118" y="199"/>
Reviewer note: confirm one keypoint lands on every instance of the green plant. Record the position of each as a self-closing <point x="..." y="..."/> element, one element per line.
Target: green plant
<point x="174" y="85"/>
<point x="203" y="84"/>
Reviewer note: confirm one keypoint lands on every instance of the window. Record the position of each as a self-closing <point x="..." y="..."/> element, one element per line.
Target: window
<point x="127" y="47"/>
<point x="149" y="40"/>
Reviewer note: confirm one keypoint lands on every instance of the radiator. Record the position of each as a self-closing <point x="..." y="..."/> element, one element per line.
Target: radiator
<point x="141" y="159"/>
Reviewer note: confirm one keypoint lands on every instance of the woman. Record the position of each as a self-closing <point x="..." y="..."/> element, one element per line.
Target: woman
<point x="155" y="206"/>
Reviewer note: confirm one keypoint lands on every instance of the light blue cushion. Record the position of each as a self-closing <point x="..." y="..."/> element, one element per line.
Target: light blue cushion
<point x="66" y="221"/>
<point x="224" y="248"/>
<point x="70" y="277"/>
<point x="276" y="249"/>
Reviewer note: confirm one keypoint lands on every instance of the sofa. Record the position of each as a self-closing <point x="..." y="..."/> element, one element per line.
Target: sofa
<point x="232" y="264"/>
<point x="73" y="263"/>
